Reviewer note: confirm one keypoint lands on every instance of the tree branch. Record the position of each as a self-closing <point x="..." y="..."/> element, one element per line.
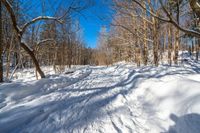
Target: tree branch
<point x="12" y="15"/>
<point x="46" y="40"/>
<point x="169" y="20"/>
<point x="138" y="36"/>
<point x="172" y="21"/>
<point x="39" y="19"/>
<point x="153" y="14"/>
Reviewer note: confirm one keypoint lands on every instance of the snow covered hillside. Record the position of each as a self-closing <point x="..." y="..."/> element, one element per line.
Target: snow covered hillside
<point x="116" y="99"/>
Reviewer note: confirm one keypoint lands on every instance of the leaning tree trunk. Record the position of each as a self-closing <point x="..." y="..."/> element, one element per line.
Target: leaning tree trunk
<point x="35" y="61"/>
<point x="1" y="46"/>
<point x="20" y="32"/>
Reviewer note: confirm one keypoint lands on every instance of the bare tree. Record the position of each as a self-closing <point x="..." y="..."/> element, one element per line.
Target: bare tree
<point x="170" y="19"/>
<point x="21" y="30"/>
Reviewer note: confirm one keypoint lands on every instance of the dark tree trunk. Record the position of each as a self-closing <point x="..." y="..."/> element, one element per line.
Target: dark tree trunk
<point x="155" y="43"/>
<point x="35" y="61"/>
<point x="20" y="33"/>
<point x="170" y="45"/>
<point x="176" y="51"/>
<point x="1" y="46"/>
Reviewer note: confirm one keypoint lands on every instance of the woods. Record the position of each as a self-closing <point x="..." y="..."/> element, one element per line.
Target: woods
<point x="150" y="32"/>
<point x="32" y="43"/>
<point x="141" y="31"/>
<point x="99" y="66"/>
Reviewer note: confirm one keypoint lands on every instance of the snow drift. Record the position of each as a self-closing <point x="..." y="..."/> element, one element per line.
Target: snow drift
<point x="119" y="98"/>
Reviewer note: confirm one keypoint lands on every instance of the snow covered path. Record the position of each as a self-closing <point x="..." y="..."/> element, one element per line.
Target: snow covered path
<point x="115" y="99"/>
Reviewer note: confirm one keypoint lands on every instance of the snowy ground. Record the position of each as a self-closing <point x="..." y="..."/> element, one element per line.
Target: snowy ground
<point x="116" y="99"/>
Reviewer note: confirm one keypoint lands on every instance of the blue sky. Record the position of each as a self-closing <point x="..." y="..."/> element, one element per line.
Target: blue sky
<point x="95" y="17"/>
<point x="91" y="19"/>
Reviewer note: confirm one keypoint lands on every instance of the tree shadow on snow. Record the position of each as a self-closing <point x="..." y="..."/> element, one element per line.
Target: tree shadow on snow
<point x="189" y="123"/>
<point x="78" y="110"/>
<point x="83" y="109"/>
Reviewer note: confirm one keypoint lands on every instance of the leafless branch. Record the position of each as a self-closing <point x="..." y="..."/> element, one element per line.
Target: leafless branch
<point x="169" y="19"/>
<point x="126" y="28"/>
<point x="12" y="14"/>
<point x="39" y="19"/>
<point x="172" y="21"/>
<point x="45" y="40"/>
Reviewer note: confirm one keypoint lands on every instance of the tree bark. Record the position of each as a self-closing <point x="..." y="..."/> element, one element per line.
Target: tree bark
<point x="177" y="43"/>
<point x="8" y="61"/>
<point x="1" y="46"/>
<point x="197" y="48"/>
<point x="170" y="19"/>
<point x="170" y="44"/>
<point x="176" y="48"/>
<point x="155" y="41"/>
<point x="35" y="61"/>
<point x="145" y="36"/>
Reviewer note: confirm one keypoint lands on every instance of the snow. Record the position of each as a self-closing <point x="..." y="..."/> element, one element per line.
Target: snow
<point x="96" y="99"/>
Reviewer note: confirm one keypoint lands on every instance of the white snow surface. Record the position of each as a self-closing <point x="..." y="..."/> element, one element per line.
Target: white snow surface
<point x="115" y="99"/>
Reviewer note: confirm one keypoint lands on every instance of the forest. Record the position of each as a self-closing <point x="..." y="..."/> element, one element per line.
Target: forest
<point x="146" y="32"/>
<point x="73" y="66"/>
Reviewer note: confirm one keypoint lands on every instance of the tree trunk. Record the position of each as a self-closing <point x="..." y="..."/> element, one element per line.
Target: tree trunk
<point x="176" y="48"/>
<point x="32" y="55"/>
<point x="155" y="41"/>
<point x="197" y="48"/>
<point x="145" y="36"/>
<point x="170" y="44"/>
<point x="8" y="61"/>
<point x="164" y="43"/>
<point x="55" y="58"/>
<point x="1" y="46"/>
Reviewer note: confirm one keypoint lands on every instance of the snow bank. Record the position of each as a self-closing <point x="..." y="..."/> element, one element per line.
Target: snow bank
<point x="171" y="104"/>
<point x="115" y="99"/>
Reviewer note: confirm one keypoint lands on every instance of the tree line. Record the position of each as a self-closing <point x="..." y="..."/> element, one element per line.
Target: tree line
<point x="37" y="41"/>
<point x="142" y="31"/>
<point x="151" y="31"/>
